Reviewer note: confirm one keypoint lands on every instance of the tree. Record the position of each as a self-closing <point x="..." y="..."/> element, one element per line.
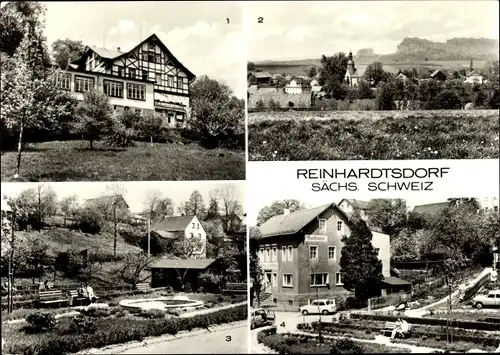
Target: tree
<point x="277" y="208"/>
<point x="213" y="208"/>
<point x="94" y="117"/>
<point x="389" y="215"/>
<point x="251" y="66"/>
<point x="386" y="94"/>
<point x="230" y="205"/>
<point x="215" y="237"/>
<point x="332" y="75"/>
<point x="364" y="90"/>
<point x="195" y="205"/>
<point x="312" y="72"/>
<point x="148" y="127"/>
<point x="66" y="50"/>
<point x="217" y="115"/>
<point x="88" y="220"/>
<point x="374" y="73"/>
<point x="69" y="206"/>
<point x="361" y="268"/>
<point x="132" y="268"/>
<point x="404" y="247"/>
<point x="256" y="271"/>
<point x="185" y="248"/>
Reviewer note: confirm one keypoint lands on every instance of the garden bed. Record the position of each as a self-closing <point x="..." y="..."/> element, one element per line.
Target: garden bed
<point x="308" y="344"/>
<point x="98" y="329"/>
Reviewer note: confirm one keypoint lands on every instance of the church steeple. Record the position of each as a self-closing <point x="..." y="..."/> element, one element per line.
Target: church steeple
<point x="350" y="63"/>
<point x="471" y="67"/>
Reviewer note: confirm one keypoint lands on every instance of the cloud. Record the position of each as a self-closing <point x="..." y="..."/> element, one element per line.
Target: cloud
<point x="298" y="34"/>
<point x="124" y="26"/>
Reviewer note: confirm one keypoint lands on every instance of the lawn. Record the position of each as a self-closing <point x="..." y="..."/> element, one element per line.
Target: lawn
<point x="373" y="135"/>
<point x="73" y="161"/>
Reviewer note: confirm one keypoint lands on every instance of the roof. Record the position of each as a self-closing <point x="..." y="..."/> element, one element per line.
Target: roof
<point x="265" y="91"/>
<point x="113" y="54"/>
<point x="435" y="72"/>
<point x="199" y="264"/>
<point x="260" y="74"/>
<point x="360" y="203"/>
<point x="106" y="199"/>
<point x="295" y="221"/>
<point x="431" y="208"/>
<point x="395" y="281"/>
<point x="316" y="88"/>
<point x="172" y="224"/>
<point x="473" y="73"/>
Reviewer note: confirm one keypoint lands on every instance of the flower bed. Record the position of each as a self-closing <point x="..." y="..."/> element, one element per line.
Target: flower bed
<point x="97" y="332"/>
<point x="458" y="346"/>
<point x="342" y="329"/>
<point x="306" y="344"/>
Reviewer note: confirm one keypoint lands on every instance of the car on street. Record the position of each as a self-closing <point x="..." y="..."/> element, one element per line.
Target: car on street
<point x="492" y="299"/>
<point x="322" y="306"/>
<point x="261" y="317"/>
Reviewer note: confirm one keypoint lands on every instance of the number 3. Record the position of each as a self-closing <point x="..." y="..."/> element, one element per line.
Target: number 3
<point x="228" y="338"/>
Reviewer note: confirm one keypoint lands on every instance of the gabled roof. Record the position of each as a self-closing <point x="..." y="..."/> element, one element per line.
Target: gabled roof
<point x="435" y="72"/>
<point x="395" y="281"/>
<point x="431" y="208"/>
<point x="260" y="74"/>
<point x="173" y="224"/>
<point x="295" y="221"/>
<point x="200" y="264"/>
<point x="106" y="199"/>
<point x="473" y="73"/>
<point x="113" y="54"/>
<point x="359" y="203"/>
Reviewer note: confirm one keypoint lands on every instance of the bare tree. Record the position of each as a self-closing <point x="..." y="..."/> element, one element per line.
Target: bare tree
<point x="230" y="203"/>
<point x="132" y="267"/>
<point x="69" y="205"/>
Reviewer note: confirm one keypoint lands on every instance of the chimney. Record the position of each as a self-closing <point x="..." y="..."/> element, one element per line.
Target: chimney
<point x="286" y="212"/>
<point x="118" y="49"/>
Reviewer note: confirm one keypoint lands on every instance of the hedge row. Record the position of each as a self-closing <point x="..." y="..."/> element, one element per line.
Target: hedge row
<point x="109" y="331"/>
<point x="465" y="324"/>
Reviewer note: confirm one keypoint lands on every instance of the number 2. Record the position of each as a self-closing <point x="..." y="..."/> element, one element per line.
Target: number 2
<point x="260" y="20"/>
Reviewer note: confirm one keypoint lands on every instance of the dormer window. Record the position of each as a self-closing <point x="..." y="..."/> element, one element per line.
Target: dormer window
<point x="322" y="225"/>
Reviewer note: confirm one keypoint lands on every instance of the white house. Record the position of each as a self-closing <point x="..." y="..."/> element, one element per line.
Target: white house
<point x="349" y="205"/>
<point x="474" y="77"/>
<point x="147" y="79"/>
<point x="189" y="226"/>
<point x="293" y="87"/>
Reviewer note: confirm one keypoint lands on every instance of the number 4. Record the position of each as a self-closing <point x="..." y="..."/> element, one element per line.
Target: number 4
<point x="282" y="324"/>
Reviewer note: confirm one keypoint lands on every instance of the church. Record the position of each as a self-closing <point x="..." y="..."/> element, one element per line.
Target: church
<point x="352" y="76"/>
<point x="147" y="79"/>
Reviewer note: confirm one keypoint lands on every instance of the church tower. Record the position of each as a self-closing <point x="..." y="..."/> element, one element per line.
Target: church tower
<point x="350" y="64"/>
<point x="471" y="67"/>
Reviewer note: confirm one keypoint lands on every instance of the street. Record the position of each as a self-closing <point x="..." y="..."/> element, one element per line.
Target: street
<point x="216" y="342"/>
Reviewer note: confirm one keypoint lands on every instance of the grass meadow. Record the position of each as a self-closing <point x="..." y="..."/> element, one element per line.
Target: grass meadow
<point x="73" y="161"/>
<point x="373" y="135"/>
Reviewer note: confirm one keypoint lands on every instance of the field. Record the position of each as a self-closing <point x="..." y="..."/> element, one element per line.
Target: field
<point x="73" y="161"/>
<point x="373" y="135"/>
<point x="299" y="67"/>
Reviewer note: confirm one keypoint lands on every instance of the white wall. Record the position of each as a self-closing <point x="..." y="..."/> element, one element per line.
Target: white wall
<point x="196" y="229"/>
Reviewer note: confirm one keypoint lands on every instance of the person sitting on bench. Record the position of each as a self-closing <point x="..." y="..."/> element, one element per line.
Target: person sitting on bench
<point x="82" y="291"/>
<point x="402" y="327"/>
<point x="90" y="293"/>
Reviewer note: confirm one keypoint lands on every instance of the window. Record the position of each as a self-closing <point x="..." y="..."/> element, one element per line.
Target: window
<point x="136" y="91"/>
<point x="170" y="81"/>
<point x="191" y="235"/>
<point x="158" y="78"/>
<point x="339" y="225"/>
<point x="274" y="280"/>
<point x="121" y="71"/>
<point x="138" y="111"/>
<point x="113" y="88"/>
<point x="151" y="46"/>
<point x="64" y="81"/>
<point x="197" y="226"/>
<point x="179" y="116"/>
<point x="313" y="252"/>
<point x="193" y="224"/>
<point x="322" y="225"/>
<point x="180" y="83"/>
<point x="290" y="253"/>
<point x="283" y="253"/>
<point x="83" y="83"/>
<point x="338" y="278"/>
<point x="275" y="254"/>
<point x="131" y="73"/>
<point x="287" y="280"/>
<point x="268" y="255"/>
<point x="261" y="254"/>
<point x="145" y="75"/>
<point x="331" y="253"/>
<point x="199" y="235"/>
<point x="495" y="208"/>
<point x="320" y="279"/>
<point x="157" y="58"/>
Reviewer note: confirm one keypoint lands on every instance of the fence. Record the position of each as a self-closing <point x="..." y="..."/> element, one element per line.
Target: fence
<point x="389" y="300"/>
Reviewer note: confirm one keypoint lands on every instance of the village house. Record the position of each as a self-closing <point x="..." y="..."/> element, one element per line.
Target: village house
<point x="349" y="205"/>
<point x="438" y="75"/>
<point x="147" y="79"/>
<point x="107" y="203"/>
<point x="296" y="86"/>
<point x="300" y="255"/>
<point x="259" y="77"/>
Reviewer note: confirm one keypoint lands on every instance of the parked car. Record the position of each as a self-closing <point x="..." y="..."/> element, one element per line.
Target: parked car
<point x="324" y="306"/>
<point x="262" y="317"/>
<point x="492" y="299"/>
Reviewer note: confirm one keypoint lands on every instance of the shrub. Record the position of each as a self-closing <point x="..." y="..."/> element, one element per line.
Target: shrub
<point x="41" y="321"/>
<point x="210" y="282"/>
<point x="88" y="220"/>
<point x="152" y="313"/>
<point x="346" y="346"/>
<point x="149" y="128"/>
<point x="82" y="324"/>
<point x="120" y="136"/>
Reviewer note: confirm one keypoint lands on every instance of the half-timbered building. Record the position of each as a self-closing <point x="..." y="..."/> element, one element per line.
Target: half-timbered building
<point x="147" y="79"/>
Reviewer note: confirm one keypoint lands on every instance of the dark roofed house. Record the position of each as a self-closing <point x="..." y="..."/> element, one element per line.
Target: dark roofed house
<point x="431" y="209"/>
<point x="105" y="204"/>
<point x="294" y="243"/>
<point x="349" y="205"/>
<point x="177" y="273"/>
<point x="259" y="77"/>
<point x="438" y="75"/>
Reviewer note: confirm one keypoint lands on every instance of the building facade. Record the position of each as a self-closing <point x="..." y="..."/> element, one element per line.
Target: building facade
<point x="300" y="254"/>
<point x="352" y="76"/>
<point x="146" y="79"/>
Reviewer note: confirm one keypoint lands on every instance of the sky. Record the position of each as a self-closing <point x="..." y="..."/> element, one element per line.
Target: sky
<point x="135" y="192"/>
<point x="309" y="29"/>
<point x="197" y="33"/>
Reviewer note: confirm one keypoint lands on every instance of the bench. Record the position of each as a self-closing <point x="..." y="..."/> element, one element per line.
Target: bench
<point x="75" y="297"/>
<point x="389" y="327"/>
<point x="143" y="287"/>
<point x="51" y="297"/>
<point x="235" y="288"/>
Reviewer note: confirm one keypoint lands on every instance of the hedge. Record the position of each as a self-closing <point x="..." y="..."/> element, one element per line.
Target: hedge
<point x="111" y="331"/>
<point x="465" y="324"/>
